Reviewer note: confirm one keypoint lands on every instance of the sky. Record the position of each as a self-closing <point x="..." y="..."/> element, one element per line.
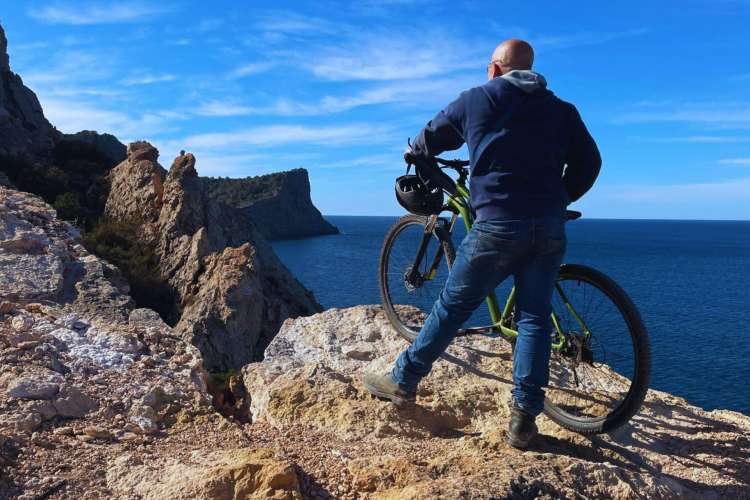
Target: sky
<point x="337" y="87"/>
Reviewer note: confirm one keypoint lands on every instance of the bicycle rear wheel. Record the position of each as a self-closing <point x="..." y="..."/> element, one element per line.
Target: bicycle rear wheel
<point x="408" y="298"/>
<point x="598" y="381"/>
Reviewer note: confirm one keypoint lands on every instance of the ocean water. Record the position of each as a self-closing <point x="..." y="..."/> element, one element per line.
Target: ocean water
<point x="689" y="279"/>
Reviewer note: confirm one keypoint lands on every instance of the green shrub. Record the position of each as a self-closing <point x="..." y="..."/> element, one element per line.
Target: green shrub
<point x="119" y="243"/>
<point x="68" y="207"/>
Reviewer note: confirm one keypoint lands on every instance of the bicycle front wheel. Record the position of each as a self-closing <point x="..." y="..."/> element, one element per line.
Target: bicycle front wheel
<point x="599" y="378"/>
<point x="410" y="286"/>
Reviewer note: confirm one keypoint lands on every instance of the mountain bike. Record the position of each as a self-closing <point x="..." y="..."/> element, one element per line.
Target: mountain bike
<point x="600" y="362"/>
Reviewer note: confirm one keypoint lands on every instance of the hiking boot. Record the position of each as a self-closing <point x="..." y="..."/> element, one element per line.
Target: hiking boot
<point x="521" y="429"/>
<point x="383" y="386"/>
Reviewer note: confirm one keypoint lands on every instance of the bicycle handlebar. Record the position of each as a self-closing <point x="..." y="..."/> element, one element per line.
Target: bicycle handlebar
<point x="411" y="158"/>
<point x="452" y="163"/>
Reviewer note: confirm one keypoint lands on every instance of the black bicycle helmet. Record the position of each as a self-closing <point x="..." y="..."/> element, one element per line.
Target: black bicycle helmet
<point x="415" y="197"/>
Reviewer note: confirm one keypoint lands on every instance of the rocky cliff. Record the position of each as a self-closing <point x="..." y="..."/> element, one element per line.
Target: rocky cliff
<point x="278" y="203"/>
<point x="23" y="128"/>
<point x="98" y="399"/>
<point x="232" y="293"/>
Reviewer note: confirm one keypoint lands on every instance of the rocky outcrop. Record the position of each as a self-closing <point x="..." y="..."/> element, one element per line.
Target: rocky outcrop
<point x="278" y="203"/>
<point x="451" y="443"/>
<point x="232" y="291"/>
<point x="235" y="474"/>
<point x="24" y="130"/>
<point x="41" y="260"/>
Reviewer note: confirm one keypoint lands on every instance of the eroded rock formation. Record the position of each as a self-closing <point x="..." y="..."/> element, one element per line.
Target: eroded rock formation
<point x="278" y="203"/>
<point x="232" y="291"/>
<point x="452" y="443"/>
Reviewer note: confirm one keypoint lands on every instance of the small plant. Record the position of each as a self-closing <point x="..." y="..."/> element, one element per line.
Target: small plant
<point x="119" y="242"/>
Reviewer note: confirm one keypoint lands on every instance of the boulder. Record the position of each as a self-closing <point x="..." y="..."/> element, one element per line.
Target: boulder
<point x="70" y="402"/>
<point x="237" y="474"/>
<point x="34" y="386"/>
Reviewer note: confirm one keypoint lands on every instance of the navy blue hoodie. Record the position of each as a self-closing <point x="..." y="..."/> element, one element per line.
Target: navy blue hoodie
<point x="530" y="152"/>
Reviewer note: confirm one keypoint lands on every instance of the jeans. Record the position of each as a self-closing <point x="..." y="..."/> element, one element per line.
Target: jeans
<point x="530" y="249"/>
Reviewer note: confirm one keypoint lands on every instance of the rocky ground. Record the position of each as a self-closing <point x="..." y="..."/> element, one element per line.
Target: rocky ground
<point x="451" y="444"/>
<point x="99" y="399"/>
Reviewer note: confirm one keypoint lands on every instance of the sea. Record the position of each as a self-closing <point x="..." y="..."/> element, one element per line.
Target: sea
<point x="689" y="279"/>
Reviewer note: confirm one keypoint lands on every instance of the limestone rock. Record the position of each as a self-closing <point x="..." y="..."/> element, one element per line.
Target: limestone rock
<point x="232" y="291"/>
<point x="137" y="185"/>
<point x="279" y="203"/>
<point x="72" y="403"/>
<point x="22" y="323"/>
<point x="36" y="386"/>
<point x="22" y="422"/>
<point x="40" y="259"/>
<point x="230" y="475"/>
<point x="451" y="444"/>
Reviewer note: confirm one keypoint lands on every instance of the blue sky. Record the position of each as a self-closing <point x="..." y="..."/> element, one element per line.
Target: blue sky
<point x="338" y="87"/>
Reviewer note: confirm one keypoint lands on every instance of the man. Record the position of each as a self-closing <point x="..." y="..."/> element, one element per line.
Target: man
<point x="531" y="156"/>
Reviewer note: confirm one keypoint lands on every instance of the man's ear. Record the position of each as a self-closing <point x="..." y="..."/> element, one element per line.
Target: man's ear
<point x="495" y="71"/>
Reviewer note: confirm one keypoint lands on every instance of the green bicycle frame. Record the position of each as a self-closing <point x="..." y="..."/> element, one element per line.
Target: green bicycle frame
<point x="501" y="323"/>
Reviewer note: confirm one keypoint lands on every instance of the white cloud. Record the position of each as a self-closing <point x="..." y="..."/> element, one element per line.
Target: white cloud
<point x="180" y="42"/>
<point x="435" y="92"/>
<point x="98" y="13"/>
<point x="582" y="39"/>
<point x="69" y="65"/>
<point x="380" y="161"/>
<point x="728" y="114"/>
<point x="700" y="139"/>
<point x="735" y="161"/>
<point x="700" y="192"/>
<point x="281" y="135"/>
<point x="71" y="116"/>
<point x="252" y="68"/>
<point x="224" y="108"/>
<point x="147" y="79"/>
<point x="389" y="56"/>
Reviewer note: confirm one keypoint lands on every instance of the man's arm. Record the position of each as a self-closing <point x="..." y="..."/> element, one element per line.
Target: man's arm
<point x="583" y="160"/>
<point x="445" y="132"/>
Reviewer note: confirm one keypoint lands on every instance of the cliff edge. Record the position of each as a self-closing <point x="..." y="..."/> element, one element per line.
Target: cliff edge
<point x="279" y="203"/>
<point x="451" y="444"/>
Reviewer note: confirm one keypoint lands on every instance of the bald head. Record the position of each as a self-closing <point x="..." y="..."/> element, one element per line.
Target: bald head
<point x="512" y="54"/>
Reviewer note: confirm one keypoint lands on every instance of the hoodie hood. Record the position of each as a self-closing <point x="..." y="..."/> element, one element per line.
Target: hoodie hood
<point x="526" y="80"/>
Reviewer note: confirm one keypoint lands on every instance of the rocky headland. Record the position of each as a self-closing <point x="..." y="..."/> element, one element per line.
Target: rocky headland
<point x="278" y="203"/>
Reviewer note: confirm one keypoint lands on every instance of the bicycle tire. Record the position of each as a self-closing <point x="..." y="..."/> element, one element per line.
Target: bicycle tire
<point x="397" y="228"/>
<point x="632" y="402"/>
